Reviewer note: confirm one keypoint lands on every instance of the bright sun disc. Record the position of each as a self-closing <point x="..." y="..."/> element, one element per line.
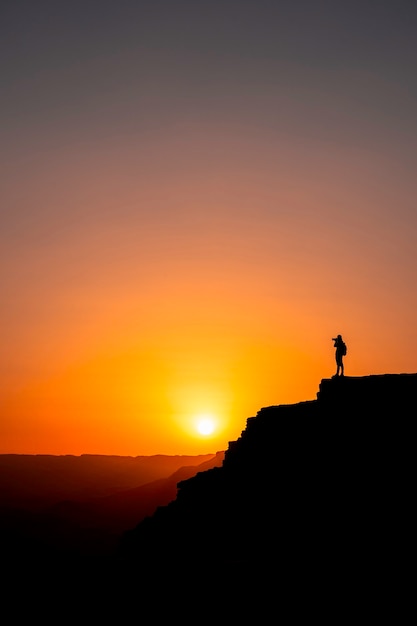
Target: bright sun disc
<point x="205" y="426"/>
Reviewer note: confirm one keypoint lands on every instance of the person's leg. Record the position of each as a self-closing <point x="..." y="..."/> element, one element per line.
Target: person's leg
<point x="339" y="364"/>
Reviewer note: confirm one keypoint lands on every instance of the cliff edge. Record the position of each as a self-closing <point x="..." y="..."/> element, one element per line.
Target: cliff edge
<point x="321" y="486"/>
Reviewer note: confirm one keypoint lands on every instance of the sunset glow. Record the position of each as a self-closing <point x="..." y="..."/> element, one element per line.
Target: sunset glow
<point x="195" y="201"/>
<point x="205" y="425"/>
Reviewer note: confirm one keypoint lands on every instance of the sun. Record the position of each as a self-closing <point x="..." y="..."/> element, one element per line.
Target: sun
<point x="205" y="425"/>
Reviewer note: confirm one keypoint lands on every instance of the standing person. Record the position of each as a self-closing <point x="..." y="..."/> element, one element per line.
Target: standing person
<point x="340" y="346"/>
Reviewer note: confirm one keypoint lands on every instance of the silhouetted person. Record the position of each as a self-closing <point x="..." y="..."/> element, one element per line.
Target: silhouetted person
<point x="340" y="346"/>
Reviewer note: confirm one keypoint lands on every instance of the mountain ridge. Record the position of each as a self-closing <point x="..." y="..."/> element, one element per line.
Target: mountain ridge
<point x="81" y="520"/>
<point x="310" y="513"/>
<point x="44" y="479"/>
<point x="316" y="486"/>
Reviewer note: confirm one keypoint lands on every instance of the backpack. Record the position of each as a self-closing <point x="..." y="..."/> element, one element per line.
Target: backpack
<point x="344" y="349"/>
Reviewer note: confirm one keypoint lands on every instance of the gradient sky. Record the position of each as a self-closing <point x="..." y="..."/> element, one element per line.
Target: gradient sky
<point x="195" y="198"/>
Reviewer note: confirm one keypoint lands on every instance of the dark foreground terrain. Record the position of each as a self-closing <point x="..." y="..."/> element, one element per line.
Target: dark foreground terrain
<point x="310" y="514"/>
<point x="60" y="509"/>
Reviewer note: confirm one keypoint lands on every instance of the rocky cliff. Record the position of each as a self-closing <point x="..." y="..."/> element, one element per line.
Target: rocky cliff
<point x="319" y="488"/>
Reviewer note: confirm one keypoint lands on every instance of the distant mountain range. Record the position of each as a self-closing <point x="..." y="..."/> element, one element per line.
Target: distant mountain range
<point x="319" y="492"/>
<point x="77" y="506"/>
<point x="312" y="505"/>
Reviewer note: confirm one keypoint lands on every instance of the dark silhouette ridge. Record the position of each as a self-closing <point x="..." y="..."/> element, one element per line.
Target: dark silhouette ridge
<point x="52" y="509"/>
<point x="320" y="491"/>
<point x="38" y="480"/>
<point x="122" y="510"/>
<point x="311" y="512"/>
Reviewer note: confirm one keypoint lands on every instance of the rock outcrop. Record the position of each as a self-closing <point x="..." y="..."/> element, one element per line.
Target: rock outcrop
<point x="315" y="489"/>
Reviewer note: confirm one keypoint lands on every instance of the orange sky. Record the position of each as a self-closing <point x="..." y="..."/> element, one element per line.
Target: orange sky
<point x="186" y="226"/>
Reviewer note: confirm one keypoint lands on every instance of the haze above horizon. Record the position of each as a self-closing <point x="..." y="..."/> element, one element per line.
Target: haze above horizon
<point x="196" y="197"/>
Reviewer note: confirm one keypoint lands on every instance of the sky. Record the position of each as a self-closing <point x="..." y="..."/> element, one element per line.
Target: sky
<point x="196" y="197"/>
